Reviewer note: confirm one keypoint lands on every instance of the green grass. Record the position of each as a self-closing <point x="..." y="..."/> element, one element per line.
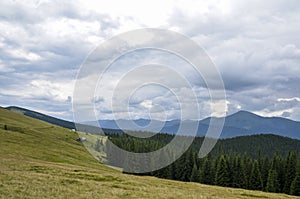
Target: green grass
<point x="40" y="160"/>
<point x="90" y="143"/>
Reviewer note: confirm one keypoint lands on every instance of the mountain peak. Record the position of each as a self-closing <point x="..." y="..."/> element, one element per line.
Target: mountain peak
<point x="243" y="113"/>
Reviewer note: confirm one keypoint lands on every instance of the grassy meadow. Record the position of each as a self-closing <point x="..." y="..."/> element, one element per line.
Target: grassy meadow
<point x="40" y="160"/>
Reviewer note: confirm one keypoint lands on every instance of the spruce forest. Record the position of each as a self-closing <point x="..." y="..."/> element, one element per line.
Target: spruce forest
<point x="241" y="162"/>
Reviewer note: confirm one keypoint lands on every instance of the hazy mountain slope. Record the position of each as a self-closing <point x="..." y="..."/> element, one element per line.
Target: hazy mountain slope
<point x="56" y="121"/>
<point x="238" y="124"/>
<point x="43" y="117"/>
<point x="254" y="124"/>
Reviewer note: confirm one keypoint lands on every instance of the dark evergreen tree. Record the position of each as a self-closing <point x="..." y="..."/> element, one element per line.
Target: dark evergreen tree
<point x="171" y="171"/>
<point x="237" y="173"/>
<point x="295" y="186"/>
<point x="222" y="173"/>
<point x="278" y="166"/>
<point x="265" y="166"/>
<point x="195" y="177"/>
<point x="272" y="182"/>
<point x="255" y="181"/>
<point x="189" y="165"/>
<point x="213" y="169"/>
<point x="163" y="172"/>
<point x="290" y="171"/>
<point x="246" y="169"/>
<point x="206" y="176"/>
<point x="230" y="165"/>
<point x="179" y="168"/>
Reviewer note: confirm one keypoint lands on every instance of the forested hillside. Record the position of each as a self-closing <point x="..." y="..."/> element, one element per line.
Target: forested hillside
<point x="261" y="162"/>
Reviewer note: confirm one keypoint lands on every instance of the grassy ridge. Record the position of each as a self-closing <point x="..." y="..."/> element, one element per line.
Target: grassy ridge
<point x="40" y="160"/>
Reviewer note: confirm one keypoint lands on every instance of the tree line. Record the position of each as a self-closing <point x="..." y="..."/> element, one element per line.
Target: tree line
<point x="279" y="173"/>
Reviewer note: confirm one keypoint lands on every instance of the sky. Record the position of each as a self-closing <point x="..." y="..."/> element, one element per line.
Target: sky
<point x="254" y="44"/>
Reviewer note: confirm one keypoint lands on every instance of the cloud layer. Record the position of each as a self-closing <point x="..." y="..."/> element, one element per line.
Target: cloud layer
<point x="254" y="44"/>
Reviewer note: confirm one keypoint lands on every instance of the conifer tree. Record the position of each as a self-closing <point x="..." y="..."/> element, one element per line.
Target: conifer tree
<point x="290" y="171"/>
<point x="265" y="166"/>
<point x="180" y="168"/>
<point x="246" y="169"/>
<point x="237" y="175"/>
<point x="255" y="181"/>
<point x="205" y="172"/>
<point x="278" y="165"/>
<point x="171" y="171"/>
<point x="195" y="177"/>
<point x="272" y="182"/>
<point x="295" y="186"/>
<point x="222" y="174"/>
<point x="189" y="164"/>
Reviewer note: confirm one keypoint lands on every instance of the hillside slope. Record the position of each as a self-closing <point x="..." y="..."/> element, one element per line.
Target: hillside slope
<point x="57" y="121"/>
<point x="43" y="117"/>
<point x="40" y="160"/>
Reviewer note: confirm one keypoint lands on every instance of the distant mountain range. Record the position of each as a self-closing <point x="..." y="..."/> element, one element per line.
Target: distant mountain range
<point x="238" y="124"/>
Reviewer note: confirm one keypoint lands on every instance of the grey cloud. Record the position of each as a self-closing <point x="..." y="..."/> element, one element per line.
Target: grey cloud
<point x="27" y="35"/>
<point x="58" y="109"/>
<point x="255" y="46"/>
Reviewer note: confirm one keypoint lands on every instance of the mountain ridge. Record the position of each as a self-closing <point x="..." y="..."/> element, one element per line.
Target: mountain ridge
<point x="240" y="123"/>
<point x="237" y="124"/>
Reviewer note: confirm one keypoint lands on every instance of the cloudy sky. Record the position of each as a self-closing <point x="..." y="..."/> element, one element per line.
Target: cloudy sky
<point x="254" y="44"/>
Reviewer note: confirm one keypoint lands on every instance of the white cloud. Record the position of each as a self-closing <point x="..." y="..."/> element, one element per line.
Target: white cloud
<point x="289" y="99"/>
<point x="150" y="13"/>
<point x="219" y="108"/>
<point x="147" y="104"/>
<point x="43" y="89"/>
<point x="267" y="113"/>
<point x="22" y="54"/>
